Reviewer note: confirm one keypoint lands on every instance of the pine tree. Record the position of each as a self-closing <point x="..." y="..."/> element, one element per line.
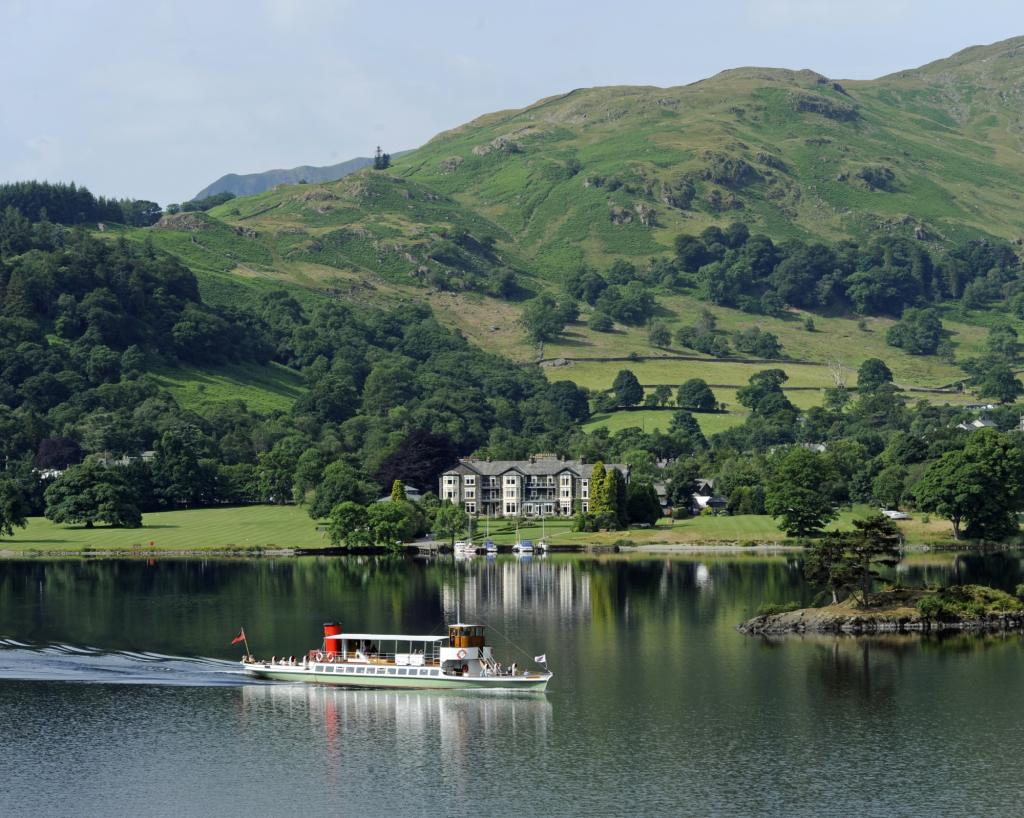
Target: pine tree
<point x="398" y="492"/>
<point x="381" y="160"/>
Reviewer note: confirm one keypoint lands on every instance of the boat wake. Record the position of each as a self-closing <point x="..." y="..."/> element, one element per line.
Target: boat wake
<point x="74" y="663"/>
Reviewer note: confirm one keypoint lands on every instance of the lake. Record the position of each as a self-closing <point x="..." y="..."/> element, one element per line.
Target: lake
<point x="119" y="694"/>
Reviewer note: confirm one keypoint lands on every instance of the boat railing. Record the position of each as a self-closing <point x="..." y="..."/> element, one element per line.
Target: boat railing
<point x="373" y="658"/>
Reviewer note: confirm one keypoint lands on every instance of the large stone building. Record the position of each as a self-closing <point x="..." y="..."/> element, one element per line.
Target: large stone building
<point x="544" y="485"/>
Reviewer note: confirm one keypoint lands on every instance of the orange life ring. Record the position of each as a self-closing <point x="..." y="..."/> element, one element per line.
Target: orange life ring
<point x="461" y="654"/>
<point x="330" y="657"/>
<point x="319" y="655"/>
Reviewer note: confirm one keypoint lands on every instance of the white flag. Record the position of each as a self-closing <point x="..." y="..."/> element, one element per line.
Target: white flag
<point x="542" y="659"/>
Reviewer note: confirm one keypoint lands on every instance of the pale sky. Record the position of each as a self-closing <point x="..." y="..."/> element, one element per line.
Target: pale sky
<point x="155" y="99"/>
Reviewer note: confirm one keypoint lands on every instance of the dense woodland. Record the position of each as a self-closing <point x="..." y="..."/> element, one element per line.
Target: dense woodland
<point x="396" y="396"/>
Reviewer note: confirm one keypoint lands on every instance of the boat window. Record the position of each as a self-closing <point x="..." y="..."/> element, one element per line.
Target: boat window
<point x="391" y="671"/>
<point x="380" y="670"/>
<point x="401" y="671"/>
<point x="318" y="669"/>
<point x="359" y="670"/>
<point x="435" y="672"/>
<point x="424" y="671"/>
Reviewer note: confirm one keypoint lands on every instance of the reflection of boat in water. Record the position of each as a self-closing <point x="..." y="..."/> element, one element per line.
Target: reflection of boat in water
<point x="523" y="546"/>
<point x="465" y="548"/>
<point x="459" y="661"/>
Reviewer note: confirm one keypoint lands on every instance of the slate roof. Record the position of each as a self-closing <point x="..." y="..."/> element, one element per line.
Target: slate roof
<point x="541" y="467"/>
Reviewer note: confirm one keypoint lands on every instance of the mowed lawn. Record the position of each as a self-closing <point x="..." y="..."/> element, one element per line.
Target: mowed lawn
<point x="244" y="527"/>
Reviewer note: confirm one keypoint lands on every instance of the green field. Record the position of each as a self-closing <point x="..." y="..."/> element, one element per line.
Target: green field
<point x="241" y="528"/>
<point x="650" y="419"/>
<point x="267" y="388"/>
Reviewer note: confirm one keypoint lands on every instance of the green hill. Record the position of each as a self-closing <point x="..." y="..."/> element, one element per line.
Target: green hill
<point x="503" y="206"/>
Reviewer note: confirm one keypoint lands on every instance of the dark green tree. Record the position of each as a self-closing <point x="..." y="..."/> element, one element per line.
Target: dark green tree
<point x="347" y="525"/>
<point x="90" y="493"/>
<point x="642" y="504"/>
<point x="542" y="319"/>
<point x="381" y="160"/>
<point x="14" y="507"/>
<point x="696" y="395"/>
<point x="872" y="375"/>
<point x="627" y="389"/>
<point x="797" y="492"/>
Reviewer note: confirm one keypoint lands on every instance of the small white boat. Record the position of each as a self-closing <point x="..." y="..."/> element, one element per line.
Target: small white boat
<point x="459" y="661"/>
<point x="465" y="548"/>
<point x="490" y="546"/>
<point x="523" y="546"/>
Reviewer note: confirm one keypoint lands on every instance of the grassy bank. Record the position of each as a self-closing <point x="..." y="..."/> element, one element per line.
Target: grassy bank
<point x="213" y="529"/>
<point x="258" y="528"/>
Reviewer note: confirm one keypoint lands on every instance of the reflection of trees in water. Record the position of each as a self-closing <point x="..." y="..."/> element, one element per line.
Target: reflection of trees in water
<point x="863" y="667"/>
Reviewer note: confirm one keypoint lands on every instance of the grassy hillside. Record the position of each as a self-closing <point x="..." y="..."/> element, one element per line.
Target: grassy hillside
<point x="495" y="210"/>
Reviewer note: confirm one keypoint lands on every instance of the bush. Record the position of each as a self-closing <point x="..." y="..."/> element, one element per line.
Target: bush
<point x="932" y="607"/>
<point x="1019" y="591"/>
<point x="772" y="608"/>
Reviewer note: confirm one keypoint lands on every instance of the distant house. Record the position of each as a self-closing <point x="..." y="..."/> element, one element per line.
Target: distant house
<point x="700" y="502"/>
<point x="661" y="489"/>
<point x="545" y="485"/>
<point x="126" y="459"/>
<point x="412" y="494"/>
<point x="976" y="424"/>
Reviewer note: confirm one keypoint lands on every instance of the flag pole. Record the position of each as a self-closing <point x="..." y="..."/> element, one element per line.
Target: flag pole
<point x="246" y="642"/>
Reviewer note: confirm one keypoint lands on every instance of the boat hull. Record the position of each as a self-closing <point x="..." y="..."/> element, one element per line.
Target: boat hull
<point x="533" y="682"/>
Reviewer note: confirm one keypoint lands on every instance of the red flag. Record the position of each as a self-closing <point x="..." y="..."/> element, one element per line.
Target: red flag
<point x="239" y="638"/>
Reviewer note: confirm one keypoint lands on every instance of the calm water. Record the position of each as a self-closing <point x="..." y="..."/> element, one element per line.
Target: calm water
<point x="117" y="696"/>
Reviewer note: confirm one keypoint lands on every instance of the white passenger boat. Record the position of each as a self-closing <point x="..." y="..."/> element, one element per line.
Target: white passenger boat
<point x="459" y="661"/>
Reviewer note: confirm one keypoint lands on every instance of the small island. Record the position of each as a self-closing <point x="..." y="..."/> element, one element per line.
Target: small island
<point x="900" y="610"/>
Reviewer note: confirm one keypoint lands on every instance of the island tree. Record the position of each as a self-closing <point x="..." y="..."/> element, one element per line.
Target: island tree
<point x="847" y="560"/>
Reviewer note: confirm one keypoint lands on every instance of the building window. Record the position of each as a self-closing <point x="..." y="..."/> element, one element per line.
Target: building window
<point x="566" y="480"/>
<point x="470" y="481"/>
<point x="586" y="506"/>
<point x="471" y="508"/>
<point x="470" y="494"/>
<point x="586" y="493"/>
<point x="510" y="508"/>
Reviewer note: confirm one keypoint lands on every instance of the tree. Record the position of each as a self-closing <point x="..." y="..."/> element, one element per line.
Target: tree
<point x="341" y="482"/>
<point x="381" y="160"/>
<point x="686" y="432"/>
<point x="598" y="497"/>
<point x="822" y="563"/>
<point x="14" y="508"/>
<point x="600" y="322"/>
<point x="981" y="485"/>
<point x="875" y="541"/>
<point x="797" y="493"/>
<point x="449" y="521"/>
<point x="347" y="524"/>
<point x="642" y="504"/>
<point x="658" y="334"/>
<point x="179" y="476"/>
<point x="542" y="319"/>
<point x="918" y="332"/>
<point x="90" y="493"/>
<point x="391" y="524"/>
<point x="848" y="559"/>
<point x="888" y="486"/>
<point x="615" y="496"/>
<point x="998" y="381"/>
<point x="872" y="375"/>
<point x="397" y="491"/>
<point x="696" y="395"/>
<point x="627" y="389"/>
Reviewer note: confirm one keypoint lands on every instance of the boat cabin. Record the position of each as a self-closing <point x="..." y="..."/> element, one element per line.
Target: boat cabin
<point x="462" y="652"/>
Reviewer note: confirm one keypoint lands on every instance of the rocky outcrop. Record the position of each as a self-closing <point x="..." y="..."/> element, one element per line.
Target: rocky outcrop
<point x="808" y="620"/>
